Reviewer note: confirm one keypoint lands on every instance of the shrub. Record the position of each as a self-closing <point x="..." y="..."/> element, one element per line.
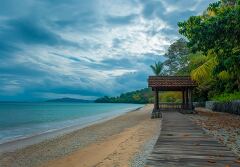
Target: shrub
<point x="227" y="97"/>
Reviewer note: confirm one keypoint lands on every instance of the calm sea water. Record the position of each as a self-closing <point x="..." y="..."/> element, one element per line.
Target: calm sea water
<point x="22" y="120"/>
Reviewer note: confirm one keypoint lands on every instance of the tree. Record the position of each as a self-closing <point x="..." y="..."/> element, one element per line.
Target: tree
<point x="157" y="68"/>
<point x="177" y="57"/>
<point x="217" y="30"/>
<point x="204" y="71"/>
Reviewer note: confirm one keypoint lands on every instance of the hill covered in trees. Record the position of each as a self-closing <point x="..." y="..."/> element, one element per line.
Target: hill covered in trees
<point x="142" y="96"/>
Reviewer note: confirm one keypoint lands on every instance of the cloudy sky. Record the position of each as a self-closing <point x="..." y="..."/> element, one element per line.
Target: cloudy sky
<point x="84" y="48"/>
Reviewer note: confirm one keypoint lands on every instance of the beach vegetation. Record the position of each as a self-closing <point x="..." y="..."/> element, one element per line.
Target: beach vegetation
<point x="227" y="97"/>
<point x="212" y="45"/>
<point x="216" y="33"/>
<point x="157" y="68"/>
<point x="142" y="96"/>
<point x="176" y="56"/>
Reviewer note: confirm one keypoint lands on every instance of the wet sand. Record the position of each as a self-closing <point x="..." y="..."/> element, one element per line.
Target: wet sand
<point x="111" y="143"/>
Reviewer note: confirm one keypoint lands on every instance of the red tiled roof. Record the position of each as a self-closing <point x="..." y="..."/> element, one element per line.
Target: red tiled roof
<point x="170" y="81"/>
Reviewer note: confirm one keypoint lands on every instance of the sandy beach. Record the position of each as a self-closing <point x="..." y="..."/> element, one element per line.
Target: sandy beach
<point x="115" y="142"/>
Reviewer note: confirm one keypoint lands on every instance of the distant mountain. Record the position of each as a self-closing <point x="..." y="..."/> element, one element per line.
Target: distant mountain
<point x="70" y="100"/>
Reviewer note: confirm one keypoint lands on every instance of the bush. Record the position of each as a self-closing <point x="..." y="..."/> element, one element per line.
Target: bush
<point x="227" y="97"/>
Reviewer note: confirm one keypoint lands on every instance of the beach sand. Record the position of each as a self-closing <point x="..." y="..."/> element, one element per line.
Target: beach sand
<point x="111" y="143"/>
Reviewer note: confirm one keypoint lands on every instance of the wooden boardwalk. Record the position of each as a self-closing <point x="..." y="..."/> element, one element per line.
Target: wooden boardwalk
<point x="184" y="144"/>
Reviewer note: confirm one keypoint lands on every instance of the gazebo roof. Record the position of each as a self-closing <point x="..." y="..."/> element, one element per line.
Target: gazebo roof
<point x="170" y="82"/>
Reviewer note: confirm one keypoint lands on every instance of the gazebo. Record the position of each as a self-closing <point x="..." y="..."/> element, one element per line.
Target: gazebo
<point x="171" y="83"/>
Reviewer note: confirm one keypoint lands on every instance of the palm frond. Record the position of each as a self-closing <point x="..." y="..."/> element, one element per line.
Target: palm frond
<point x="224" y="75"/>
<point x="157" y="68"/>
<point x="205" y="70"/>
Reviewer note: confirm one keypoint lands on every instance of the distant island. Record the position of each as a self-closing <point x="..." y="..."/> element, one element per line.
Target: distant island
<point x="70" y="100"/>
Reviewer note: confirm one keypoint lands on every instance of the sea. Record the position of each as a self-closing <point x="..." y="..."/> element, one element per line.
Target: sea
<point x="23" y="120"/>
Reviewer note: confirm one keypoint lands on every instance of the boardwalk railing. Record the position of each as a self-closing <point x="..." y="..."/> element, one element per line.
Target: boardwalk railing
<point x="174" y="106"/>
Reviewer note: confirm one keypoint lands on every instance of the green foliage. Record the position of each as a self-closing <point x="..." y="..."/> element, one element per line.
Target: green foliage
<point x="204" y="90"/>
<point x="224" y="75"/>
<point x="214" y="50"/>
<point x="157" y="68"/>
<point x="218" y="31"/>
<point x="226" y="97"/>
<point x="140" y="96"/>
<point x="196" y="60"/>
<point x="204" y="71"/>
<point x="176" y="57"/>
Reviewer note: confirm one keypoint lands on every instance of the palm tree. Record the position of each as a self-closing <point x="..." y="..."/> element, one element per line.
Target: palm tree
<point x="204" y="71"/>
<point x="157" y="68"/>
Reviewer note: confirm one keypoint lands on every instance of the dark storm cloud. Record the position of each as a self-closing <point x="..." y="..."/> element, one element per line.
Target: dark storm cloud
<point x="27" y="31"/>
<point x="84" y="47"/>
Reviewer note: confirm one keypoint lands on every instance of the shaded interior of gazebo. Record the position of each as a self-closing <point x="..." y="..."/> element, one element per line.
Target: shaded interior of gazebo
<point x="183" y="84"/>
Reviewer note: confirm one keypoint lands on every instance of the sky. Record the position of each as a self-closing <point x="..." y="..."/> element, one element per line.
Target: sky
<point x="84" y="48"/>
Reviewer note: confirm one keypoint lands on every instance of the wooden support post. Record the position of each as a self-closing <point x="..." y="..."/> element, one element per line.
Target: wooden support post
<point x="187" y="100"/>
<point x="157" y="99"/>
<point x="183" y="99"/>
<point x="156" y="102"/>
<point x="190" y="99"/>
<point x="156" y="112"/>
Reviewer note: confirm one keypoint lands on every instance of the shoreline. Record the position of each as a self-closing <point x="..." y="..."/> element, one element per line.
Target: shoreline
<point x="51" y="134"/>
<point x="129" y="126"/>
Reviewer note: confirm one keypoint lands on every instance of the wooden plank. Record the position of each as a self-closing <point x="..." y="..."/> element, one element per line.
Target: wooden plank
<point x="182" y="143"/>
